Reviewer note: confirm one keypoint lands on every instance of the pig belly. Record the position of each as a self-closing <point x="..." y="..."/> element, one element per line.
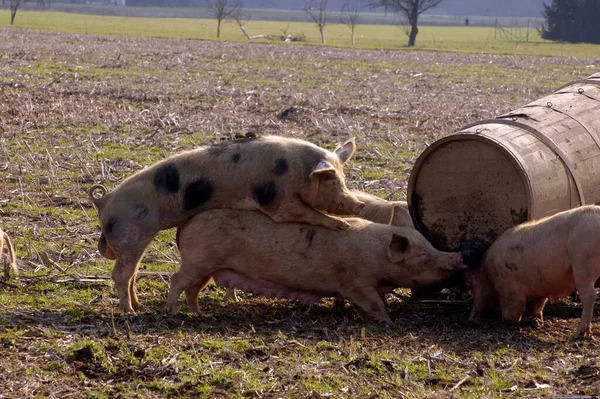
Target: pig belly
<point x="555" y="281"/>
<point x="229" y="278"/>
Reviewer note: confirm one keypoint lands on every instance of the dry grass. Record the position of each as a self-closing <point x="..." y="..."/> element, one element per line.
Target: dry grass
<point x="77" y="109"/>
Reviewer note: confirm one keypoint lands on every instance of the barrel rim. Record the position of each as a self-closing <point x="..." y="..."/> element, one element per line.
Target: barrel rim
<point x="514" y="157"/>
<point x="591" y="80"/>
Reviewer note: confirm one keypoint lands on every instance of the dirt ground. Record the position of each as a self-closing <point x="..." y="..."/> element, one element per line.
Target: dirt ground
<point x="81" y="109"/>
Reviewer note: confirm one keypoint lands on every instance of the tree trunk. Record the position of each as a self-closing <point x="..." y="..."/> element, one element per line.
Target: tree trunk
<point x="13" y="14"/>
<point x="413" y="18"/>
<point x="412" y="38"/>
<point x="219" y="28"/>
<point x="322" y="35"/>
<point x="352" y="36"/>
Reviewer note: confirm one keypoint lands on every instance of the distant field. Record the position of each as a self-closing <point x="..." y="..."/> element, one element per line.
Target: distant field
<point x="477" y="40"/>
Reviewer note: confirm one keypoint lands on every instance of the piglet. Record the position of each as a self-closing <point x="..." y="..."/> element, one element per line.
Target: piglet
<point x="540" y="260"/>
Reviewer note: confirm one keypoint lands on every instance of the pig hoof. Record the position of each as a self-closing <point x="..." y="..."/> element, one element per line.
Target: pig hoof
<point x="536" y="324"/>
<point x="584" y="334"/>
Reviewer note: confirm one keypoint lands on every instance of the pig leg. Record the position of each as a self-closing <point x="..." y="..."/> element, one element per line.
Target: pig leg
<point x="181" y="281"/>
<point x="124" y="277"/>
<point x="369" y="302"/>
<point x="128" y="242"/>
<point x="191" y="294"/>
<point x="230" y="295"/>
<point x="587" y="293"/>
<point x="512" y="307"/>
<point x="297" y="211"/>
<point x="537" y="307"/>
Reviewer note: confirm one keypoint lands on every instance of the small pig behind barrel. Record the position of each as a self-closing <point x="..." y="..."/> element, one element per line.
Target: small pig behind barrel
<point x="246" y="250"/>
<point x="540" y="260"/>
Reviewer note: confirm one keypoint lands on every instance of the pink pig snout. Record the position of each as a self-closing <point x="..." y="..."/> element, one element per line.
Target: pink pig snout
<point x="458" y="265"/>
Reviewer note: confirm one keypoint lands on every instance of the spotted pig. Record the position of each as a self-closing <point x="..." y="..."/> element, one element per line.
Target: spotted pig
<point x="247" y="250"/>
<point x="540" y="260"/>
<point x="287" y="179"/>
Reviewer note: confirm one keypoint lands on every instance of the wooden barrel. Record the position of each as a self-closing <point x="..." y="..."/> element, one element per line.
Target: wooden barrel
<point x="469" y="187"/>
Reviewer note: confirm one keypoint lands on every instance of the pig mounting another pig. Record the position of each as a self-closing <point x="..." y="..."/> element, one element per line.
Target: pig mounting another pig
<point x="287" y="179"/>
<point x="540" y="260"/>
<point x="247" y="250"/>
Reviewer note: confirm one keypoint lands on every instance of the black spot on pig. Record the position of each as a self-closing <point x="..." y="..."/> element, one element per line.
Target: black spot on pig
<point x="265" y="193"/>
<point x="281" y="167"/>
<point x="235" y="158"/>
<point x="197" y="194"/>
<point x="110" y="225"/>
<point x="166" y="178"/>
<point x="141" y="212"/>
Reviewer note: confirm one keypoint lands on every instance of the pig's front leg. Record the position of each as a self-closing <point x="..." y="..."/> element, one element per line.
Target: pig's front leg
<point x="537" y="309"/>
<point x="297" y="211"/>
<point x="369" y="302"/>
<point x="181" y="281"/>
<point x="512" y="307"/>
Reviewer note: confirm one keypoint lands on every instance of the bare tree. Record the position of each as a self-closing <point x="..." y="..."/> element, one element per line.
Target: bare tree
<point x="317" y="10"/>
<point x="14" y="6"/>
<point x="349" y="16"/>
<point x="240" y="16"/>
<point x="407" y="10"/>
<point x="222" y="9"/>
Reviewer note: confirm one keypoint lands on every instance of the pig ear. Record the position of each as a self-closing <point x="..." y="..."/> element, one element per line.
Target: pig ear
<point x="323" y="168"/>
<point x="396" y="210"/>
<point x="345" y="152"/>
<point x="397" y="248"/>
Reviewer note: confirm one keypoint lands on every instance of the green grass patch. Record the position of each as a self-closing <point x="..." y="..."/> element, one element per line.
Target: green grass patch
<point x="478" y="40"/>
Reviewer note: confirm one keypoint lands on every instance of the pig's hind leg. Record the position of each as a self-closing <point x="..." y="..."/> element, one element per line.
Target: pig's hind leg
<point x="584" y="282"/>
<point x="124" y="275"/>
